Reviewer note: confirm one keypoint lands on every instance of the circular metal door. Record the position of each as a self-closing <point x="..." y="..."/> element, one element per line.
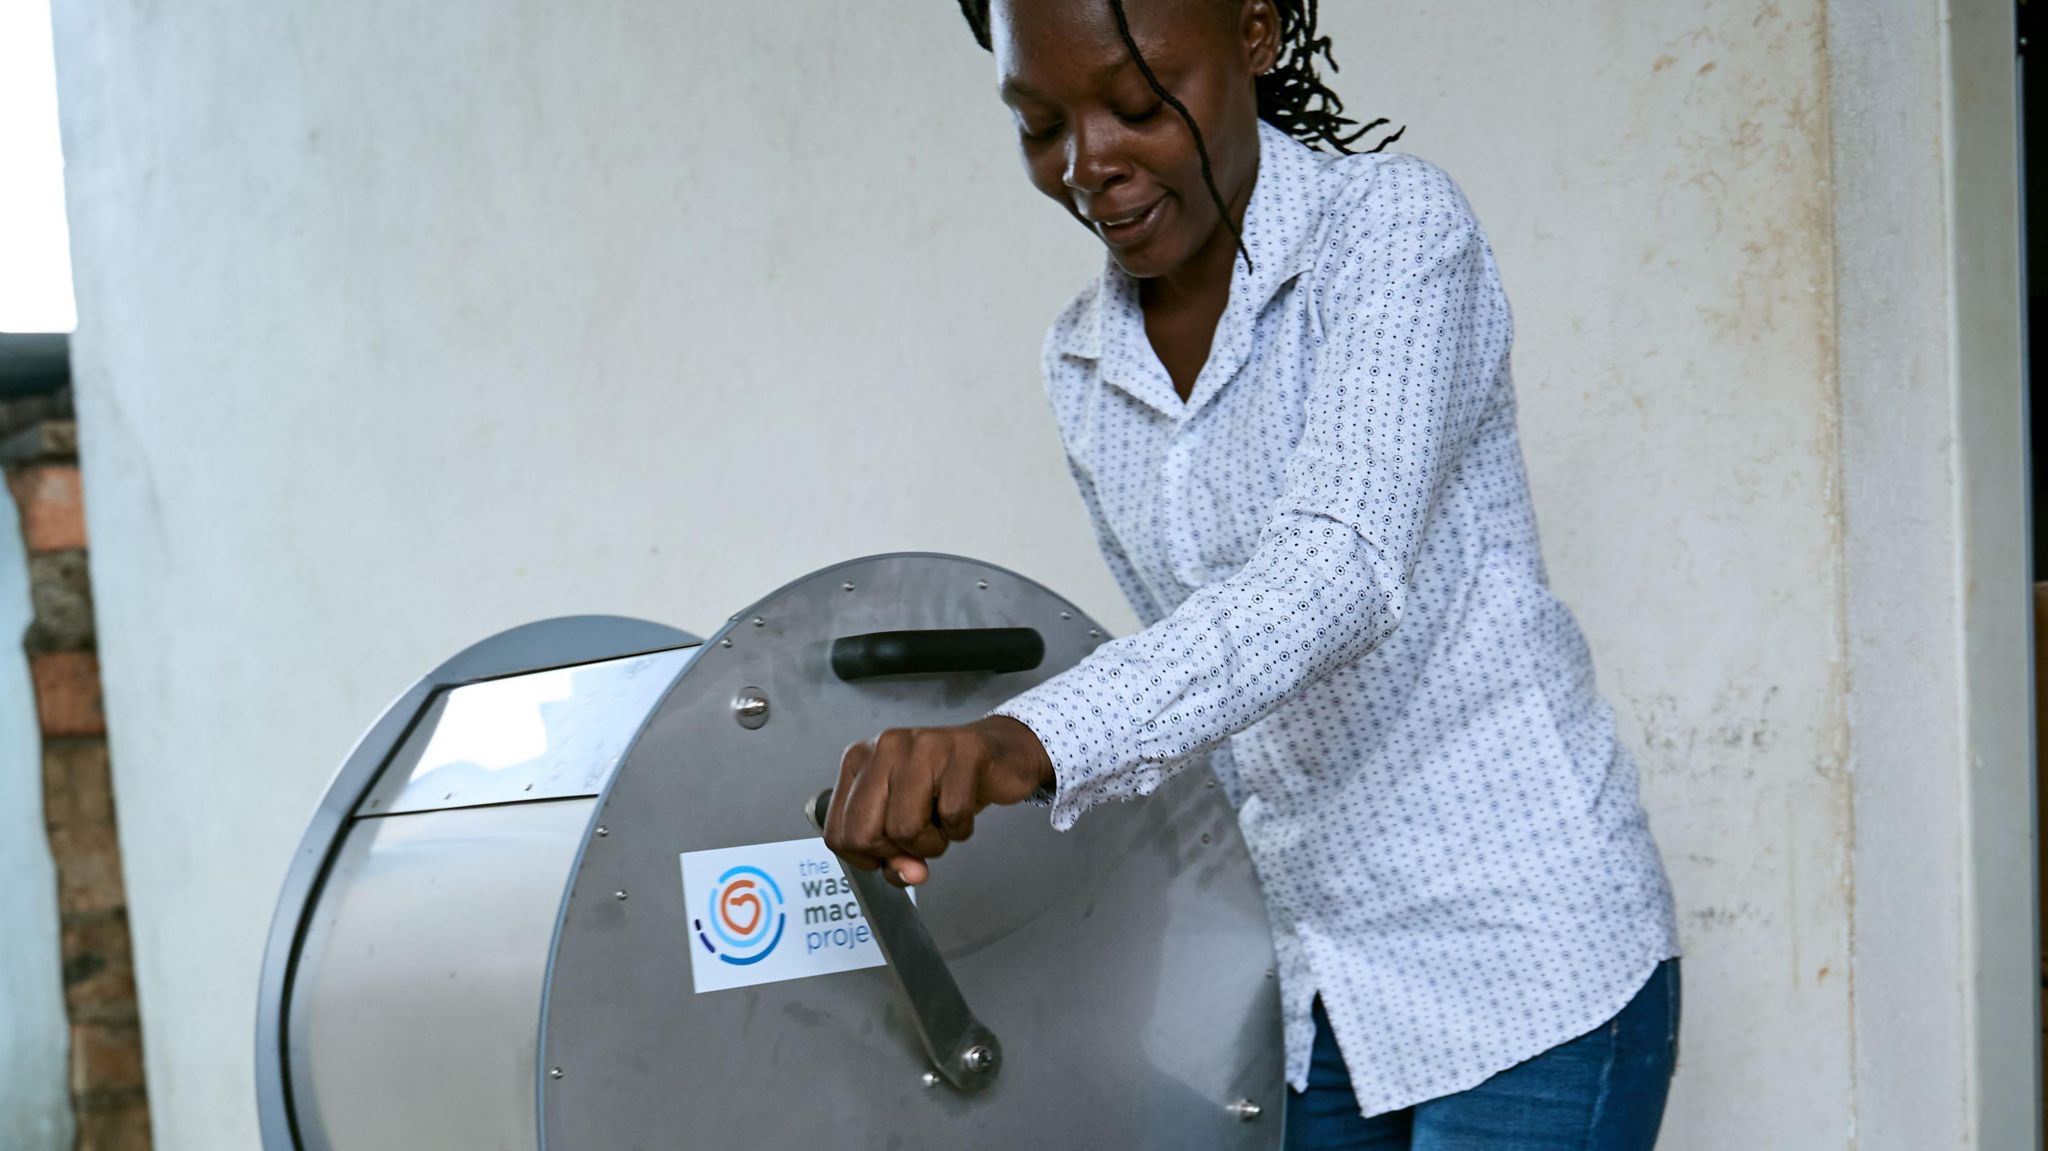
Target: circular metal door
<point x="1124" y="965"/>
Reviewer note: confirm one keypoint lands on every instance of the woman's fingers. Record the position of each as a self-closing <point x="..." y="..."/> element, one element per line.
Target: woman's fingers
<point x="836" y="836"/>
<point x="907" y="871"/>
<point x="911" y="792"/>
<point x="861" y="802"/>
<point x="913" y="785"/>
<point x="957" y="800"/>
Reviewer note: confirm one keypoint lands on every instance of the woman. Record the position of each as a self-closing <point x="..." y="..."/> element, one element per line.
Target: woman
<point x="1287" y="403"/>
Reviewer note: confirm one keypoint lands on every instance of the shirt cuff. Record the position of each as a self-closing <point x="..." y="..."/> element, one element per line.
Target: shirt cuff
<point x="1077" y="737"/>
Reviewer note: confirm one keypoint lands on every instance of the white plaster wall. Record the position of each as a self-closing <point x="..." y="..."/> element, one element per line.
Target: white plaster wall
<point x="35" y="1111"/>
<point x="1654" y="177"/>
<point x="1937" y="656"/>
<point x="400" y="324"/>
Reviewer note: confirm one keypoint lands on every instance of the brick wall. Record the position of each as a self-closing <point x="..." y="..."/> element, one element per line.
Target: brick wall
<point x="39" y="456"/>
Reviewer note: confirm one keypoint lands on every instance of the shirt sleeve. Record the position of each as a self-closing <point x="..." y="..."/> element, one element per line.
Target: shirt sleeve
<point x="1415" y="338"/>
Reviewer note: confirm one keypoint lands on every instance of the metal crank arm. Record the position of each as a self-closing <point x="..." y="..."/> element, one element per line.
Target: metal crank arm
<point x="965" y="1052"/>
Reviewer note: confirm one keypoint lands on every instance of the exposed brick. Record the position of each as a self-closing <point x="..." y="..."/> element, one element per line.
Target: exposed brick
<point x="105" y="1058"/>
<point x="77" y="785"/>
<point x="68" y="692"/>
<point x="38" y="448"/>
<point x="121" y="1125"/>
<point x="78" y="811"/>
<point x="60" y="589"/>
<point x="52" y="506"/>
<point x="40" y="442"/>
<point x="27" y="411"/>
<point x="99" y="978"/>
<point x="114" y="1123"/>
<point x="88" y="860"/>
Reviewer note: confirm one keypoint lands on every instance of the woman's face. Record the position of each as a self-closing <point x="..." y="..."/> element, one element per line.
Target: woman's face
<point x="1101" y="142"/>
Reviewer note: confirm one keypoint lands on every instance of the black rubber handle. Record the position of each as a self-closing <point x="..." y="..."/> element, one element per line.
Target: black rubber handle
<point x="938" y="651"/>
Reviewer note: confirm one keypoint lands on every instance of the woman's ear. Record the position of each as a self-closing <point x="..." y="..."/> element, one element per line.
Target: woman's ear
<point x="1259" y="30"/>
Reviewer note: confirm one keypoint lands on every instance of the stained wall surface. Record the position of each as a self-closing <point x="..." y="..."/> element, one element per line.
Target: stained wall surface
<point x="401" y="324"/>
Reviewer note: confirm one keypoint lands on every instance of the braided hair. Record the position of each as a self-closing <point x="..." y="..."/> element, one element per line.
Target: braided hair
<point x="1291" y="96"/>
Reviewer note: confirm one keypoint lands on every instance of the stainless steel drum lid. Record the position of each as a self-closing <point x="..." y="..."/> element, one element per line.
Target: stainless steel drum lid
<point x="710" y="981"/>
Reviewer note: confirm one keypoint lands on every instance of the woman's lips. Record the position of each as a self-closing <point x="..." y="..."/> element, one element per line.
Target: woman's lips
<point x="1130" y="229"/>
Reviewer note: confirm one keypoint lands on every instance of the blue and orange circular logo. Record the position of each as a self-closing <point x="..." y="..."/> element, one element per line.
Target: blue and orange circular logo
<point x="744" y="915"/>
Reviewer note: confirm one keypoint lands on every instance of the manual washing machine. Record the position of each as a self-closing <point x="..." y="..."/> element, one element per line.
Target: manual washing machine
<point x="567" y="893"/>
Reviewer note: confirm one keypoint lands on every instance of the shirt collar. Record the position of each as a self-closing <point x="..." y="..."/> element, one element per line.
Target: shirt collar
<point x="1280" y="227"/>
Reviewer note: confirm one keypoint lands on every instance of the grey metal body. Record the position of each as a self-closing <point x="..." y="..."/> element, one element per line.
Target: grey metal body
<point x="445" y="944"/>
<point x="420" y="979"/>
<point x="531" y="647"/>
<point x="420" y="973"/>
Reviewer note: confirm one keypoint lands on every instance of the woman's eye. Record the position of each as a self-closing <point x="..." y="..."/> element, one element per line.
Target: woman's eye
<point x="1039" y="134"/>
<point x="1147" y="113"/>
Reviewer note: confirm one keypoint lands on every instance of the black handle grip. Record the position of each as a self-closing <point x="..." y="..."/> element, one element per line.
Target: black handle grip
<point x="938" y="651"/>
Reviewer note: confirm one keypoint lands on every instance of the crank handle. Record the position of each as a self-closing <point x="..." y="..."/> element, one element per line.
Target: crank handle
<point x="964" y="1050"/>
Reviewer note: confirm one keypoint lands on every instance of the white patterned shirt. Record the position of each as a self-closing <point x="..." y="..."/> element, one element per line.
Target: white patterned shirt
<point x="1332" y="548"/>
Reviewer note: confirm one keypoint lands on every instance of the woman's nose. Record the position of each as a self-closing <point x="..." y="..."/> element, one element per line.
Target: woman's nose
<point x="1092" y="161"/>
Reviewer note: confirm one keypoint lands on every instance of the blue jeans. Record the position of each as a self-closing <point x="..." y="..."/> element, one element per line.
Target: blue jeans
<point x="1603" y="1091"/>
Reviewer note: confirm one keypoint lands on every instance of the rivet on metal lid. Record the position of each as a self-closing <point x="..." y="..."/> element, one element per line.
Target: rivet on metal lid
<point x="1246" y="1110"/>
<point x="750" y="707"/>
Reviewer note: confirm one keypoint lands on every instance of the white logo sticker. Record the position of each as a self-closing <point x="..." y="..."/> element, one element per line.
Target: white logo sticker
<point x="772" y="911"/>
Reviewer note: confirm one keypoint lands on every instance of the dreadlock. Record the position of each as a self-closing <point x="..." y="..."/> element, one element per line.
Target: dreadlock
<point x="1291" y="96"/>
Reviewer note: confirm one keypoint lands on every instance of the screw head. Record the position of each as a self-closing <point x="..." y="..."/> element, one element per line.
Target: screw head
<point x="979" y="1058"/>
<point x="759" y="622"/>
<point x="619" y="895"/>
<point x="847" y="586"/>
<point x="603" y="831"/>
<point x="750" y="707"/>
<point x="929" y="1079"/>
<point x="554" y="1073"/>
<point x="1246" y="1110"/>
<point x="982" y="584"/>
